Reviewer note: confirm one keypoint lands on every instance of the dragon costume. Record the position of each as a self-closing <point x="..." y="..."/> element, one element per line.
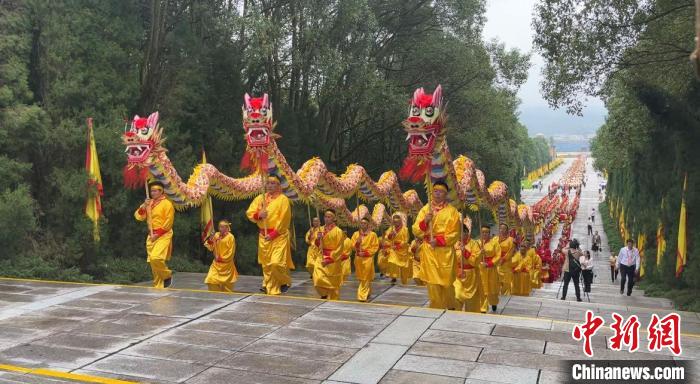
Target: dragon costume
<point x="312" y="183"/>
<point x="429" y="159"/>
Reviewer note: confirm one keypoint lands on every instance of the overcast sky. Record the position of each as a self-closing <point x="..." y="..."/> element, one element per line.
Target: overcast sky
<point x="510" y="21"/>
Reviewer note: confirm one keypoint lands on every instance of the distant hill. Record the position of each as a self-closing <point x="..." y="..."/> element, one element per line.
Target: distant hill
<point x="541" y="119"/>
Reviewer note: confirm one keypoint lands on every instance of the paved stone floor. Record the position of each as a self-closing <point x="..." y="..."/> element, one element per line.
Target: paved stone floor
<point x="140" y="334"/>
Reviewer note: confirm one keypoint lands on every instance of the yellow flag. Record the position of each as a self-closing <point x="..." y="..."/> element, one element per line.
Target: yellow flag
<point x="206" y="216"/>
<point x="641" y="243"/>
<point x="682" y="252"/>
<point x="660" y="241"/>
<point x="93" y="205"/>
<point x="660" y="244"/>
<point x="623" y="232"/>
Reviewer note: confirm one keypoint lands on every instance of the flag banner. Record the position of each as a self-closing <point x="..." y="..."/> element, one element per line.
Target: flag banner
<point x="682" y="252"/>
<point x="93" y="205"/>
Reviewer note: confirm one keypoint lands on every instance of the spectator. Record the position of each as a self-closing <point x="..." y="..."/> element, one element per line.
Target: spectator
<point x="593" y="215"/>
<point x="590" y="226"/>
<point x="572" y="268"/>
<point x="628" y="262"/>
<point x="596" y="242"/>
<point x="586" y="271"/>
<point x="613" y="267"/>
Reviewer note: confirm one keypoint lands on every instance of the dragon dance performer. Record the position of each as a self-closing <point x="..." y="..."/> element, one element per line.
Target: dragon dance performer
<point x="468" y="290"/>
<point x="396" y="243"/>
<point x="365" y="244"/>
<point x="505" y="267"/>
<point x="313" y="254"/>
<point x="329" y="270"/>
<point x="415" y="262"/>
<point x="536" y="271"/>
<point x="272" y="213"/>
<point x="222" y="272"/>
<point x="159" y="243"/>
<point x="522" y="263"/>
<point x="345" y="258"/>
<point x="490" y="255"/>
<point x="438" y="224"/>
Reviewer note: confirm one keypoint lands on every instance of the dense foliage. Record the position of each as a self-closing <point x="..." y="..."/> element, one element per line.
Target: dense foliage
<point x="339" y="74"/>
<point x="634" y="54"/>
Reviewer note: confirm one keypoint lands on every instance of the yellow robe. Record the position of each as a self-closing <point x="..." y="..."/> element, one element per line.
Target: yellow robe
<point x="313" y="254"/>
<point x="327" y="277"/>
<point x="160" y="250"/>
<point x="274" y="255"/>
<point x="364" y="262"/>
<point x="536" y="271"/>
<point x="345" y="259"/>
<point x="222" y="272"/>
<point x="399" y="258"/>
<point x="413" y="250"/>
<point x="468" y="291"/>
<point x="489" y="273"/>
<point x="437" y="264"/>
<point x="521" y="273"/>
<point x="505" y="267"/>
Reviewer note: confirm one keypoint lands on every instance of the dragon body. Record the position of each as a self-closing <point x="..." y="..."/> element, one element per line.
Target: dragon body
<point x="313" y="183"/>
<point x="428" y="159"/>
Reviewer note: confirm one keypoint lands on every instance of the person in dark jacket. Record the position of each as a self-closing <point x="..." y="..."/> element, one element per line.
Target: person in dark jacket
<point x="572" y="268"/>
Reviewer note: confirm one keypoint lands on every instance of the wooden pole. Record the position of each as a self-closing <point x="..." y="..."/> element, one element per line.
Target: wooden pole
<point x="430" y="205"/>
<point x="308" y="213"/>
<point x="481" y="238"/>
<point x="148" y="209"/>
<point x="264" y="204"/>
<point x="461" y="241"/>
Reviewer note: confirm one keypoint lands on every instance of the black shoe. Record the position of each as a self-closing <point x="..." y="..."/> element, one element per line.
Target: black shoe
<point x="563" y="297"/>
<point x="621" y="292"/>
<point x="578" y="299"/>
<point x="381" y="275"/>
<point x="284" y="288"/>
<point x="324" y="297"/>
<point x="484" y="312"/>
<point x="393" y="281"/>
<point x="168" y="282"/>
<point x="494" y="308"/>
<point x="263" y="290"/>
<point x="629" y="293"/>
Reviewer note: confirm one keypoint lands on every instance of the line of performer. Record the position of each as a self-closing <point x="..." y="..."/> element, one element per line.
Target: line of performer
<point x="459" y="272"/>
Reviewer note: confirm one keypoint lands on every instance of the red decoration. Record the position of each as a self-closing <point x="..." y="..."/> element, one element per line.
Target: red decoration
<point x="140" y="122"/>
<point x="135" y="177"/>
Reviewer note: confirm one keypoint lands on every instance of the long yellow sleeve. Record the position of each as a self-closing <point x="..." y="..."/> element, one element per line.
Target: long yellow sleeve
<point x="223" y="249"/>
<point x="162" y="215"/>
<point x="444" y="225"/>
<point x="279" y="213"/>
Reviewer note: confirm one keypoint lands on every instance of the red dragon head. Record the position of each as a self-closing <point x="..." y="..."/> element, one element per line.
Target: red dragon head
<point x="424" y="122"/>
<point x="142" y="140"/>
<point x="424" y="126"/>
<point x="257" y="120"/>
